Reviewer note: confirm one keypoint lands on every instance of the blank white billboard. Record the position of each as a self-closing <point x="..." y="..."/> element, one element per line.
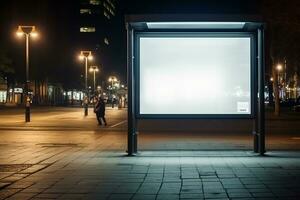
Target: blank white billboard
<point x="194" y="75"/>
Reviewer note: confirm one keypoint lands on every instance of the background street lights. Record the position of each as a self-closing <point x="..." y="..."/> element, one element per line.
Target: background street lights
<point x="112" y="79"/>
<point x="86" y="55"/>
<point x="94" y="69"/>
<point x="28" y="31"/>
<point x="279" y="68"/>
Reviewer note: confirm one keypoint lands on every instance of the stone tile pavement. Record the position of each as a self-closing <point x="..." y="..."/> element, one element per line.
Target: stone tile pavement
<point x="66" y="156"/>
<point x="101" y="170"/>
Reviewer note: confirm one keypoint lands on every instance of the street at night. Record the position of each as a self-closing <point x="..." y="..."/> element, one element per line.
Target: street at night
<point x="64" y="155"/>
<point x="150" y="100"/>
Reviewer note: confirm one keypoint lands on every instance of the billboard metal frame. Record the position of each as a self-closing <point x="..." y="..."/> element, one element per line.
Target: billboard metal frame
<point x="136" y="26"/>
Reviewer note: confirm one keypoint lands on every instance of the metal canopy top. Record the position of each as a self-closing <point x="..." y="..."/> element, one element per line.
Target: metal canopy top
<point x="194" y="22"/>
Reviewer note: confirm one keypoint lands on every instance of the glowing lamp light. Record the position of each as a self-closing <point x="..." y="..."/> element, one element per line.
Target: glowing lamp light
<point x="81" y="57"/>
<point x="85" y="55"/>
<point x="93" y="69"/>
<point x="19" y="32"/>
<point x="34" y="34"/>
<point x="112" y="79"/>
<point x="279" y="67"/>
<point x="29" y="30"/>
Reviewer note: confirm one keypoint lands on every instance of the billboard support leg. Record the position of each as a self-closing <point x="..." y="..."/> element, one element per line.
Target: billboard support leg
<point x="256" y="102"/>
<point x="135" y="140"/>
<point x="131" y="142"/>
<point x="255" y="142"/>
<point x="261" y="88"/>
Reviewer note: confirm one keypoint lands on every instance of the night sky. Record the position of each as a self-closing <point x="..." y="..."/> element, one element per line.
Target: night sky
<point x="54" y="54"/>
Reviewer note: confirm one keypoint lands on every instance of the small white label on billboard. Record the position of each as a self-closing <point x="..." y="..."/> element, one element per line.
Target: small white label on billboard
<point x="243" y="107"/>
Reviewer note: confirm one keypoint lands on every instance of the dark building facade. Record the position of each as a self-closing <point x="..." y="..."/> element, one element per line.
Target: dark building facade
<point x="95" y="32"/>
<point x="95" y="21"/>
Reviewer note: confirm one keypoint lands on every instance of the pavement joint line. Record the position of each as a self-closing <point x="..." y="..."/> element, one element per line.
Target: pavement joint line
<point x="117" y="124"/>
<point x="46" y="165"/>
<point x="6" y="184"/>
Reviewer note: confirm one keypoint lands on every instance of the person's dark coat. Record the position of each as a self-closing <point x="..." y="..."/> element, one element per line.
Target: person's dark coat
<point x="100" y="107"/>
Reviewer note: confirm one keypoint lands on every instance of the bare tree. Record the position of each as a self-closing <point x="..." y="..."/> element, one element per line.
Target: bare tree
<point x="283" y="28"/>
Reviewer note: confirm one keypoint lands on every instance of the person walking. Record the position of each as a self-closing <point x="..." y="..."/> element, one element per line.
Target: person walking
<point x="100" y="111"/>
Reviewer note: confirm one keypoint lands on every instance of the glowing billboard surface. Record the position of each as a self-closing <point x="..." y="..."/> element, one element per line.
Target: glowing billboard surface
<point x="194" y="75"/>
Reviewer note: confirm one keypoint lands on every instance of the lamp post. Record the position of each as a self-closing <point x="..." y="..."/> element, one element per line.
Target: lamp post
<point x="28" y="31"/>
<point x="86" y="55"/>
<point x="94" y="69"/>
<point x="112" y="79"/>
<point x="279" y="69"/>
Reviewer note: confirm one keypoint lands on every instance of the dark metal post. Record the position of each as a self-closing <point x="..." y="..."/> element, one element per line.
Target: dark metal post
<point x="261" y="88"/>
<point x="255" y="136"/>
<point x="130" y="82"/>
<point x="94" y="81"/>
<point x="27" y="97"/>
<point x="87" y="99"/>
<point x="135" y="140"/>
<point x="134" y="132"/>
<point x="255" y="100"/>
<point x="255" y="125"/>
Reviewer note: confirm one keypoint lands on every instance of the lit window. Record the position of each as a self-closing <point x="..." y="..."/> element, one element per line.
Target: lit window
<point x="106" y="14"/>
<point x="113" y="13"/>
<point x="95" y="2"/>
<point x="108" y="8"/>
<point x="87" y="29"/>
<point x="105" y="6"/>
<point x="85" y="11"/>
<point x="111" y="4"/>
<point x="106" y="41"/>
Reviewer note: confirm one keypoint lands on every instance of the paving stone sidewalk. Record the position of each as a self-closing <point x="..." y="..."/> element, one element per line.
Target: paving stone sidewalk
<point x="92" y="164"/>
<point x="102" y="171"/>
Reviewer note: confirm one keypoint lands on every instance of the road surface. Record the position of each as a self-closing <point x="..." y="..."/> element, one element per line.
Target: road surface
<point x="63" y="155"/>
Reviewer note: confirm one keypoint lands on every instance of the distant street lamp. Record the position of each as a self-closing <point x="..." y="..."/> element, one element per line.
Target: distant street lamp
<point x="94" y="69"/>
<point x="28" y="31"/>
<point x="99" y="89"/>
<point x="86" y="55"/>
<point x="279" y="67"/>
<point x="112" y="79"/>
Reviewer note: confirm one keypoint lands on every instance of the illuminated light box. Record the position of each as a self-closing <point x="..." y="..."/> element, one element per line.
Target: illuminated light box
<point x="195" y="25"/>
<point x="194" y="74"/>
